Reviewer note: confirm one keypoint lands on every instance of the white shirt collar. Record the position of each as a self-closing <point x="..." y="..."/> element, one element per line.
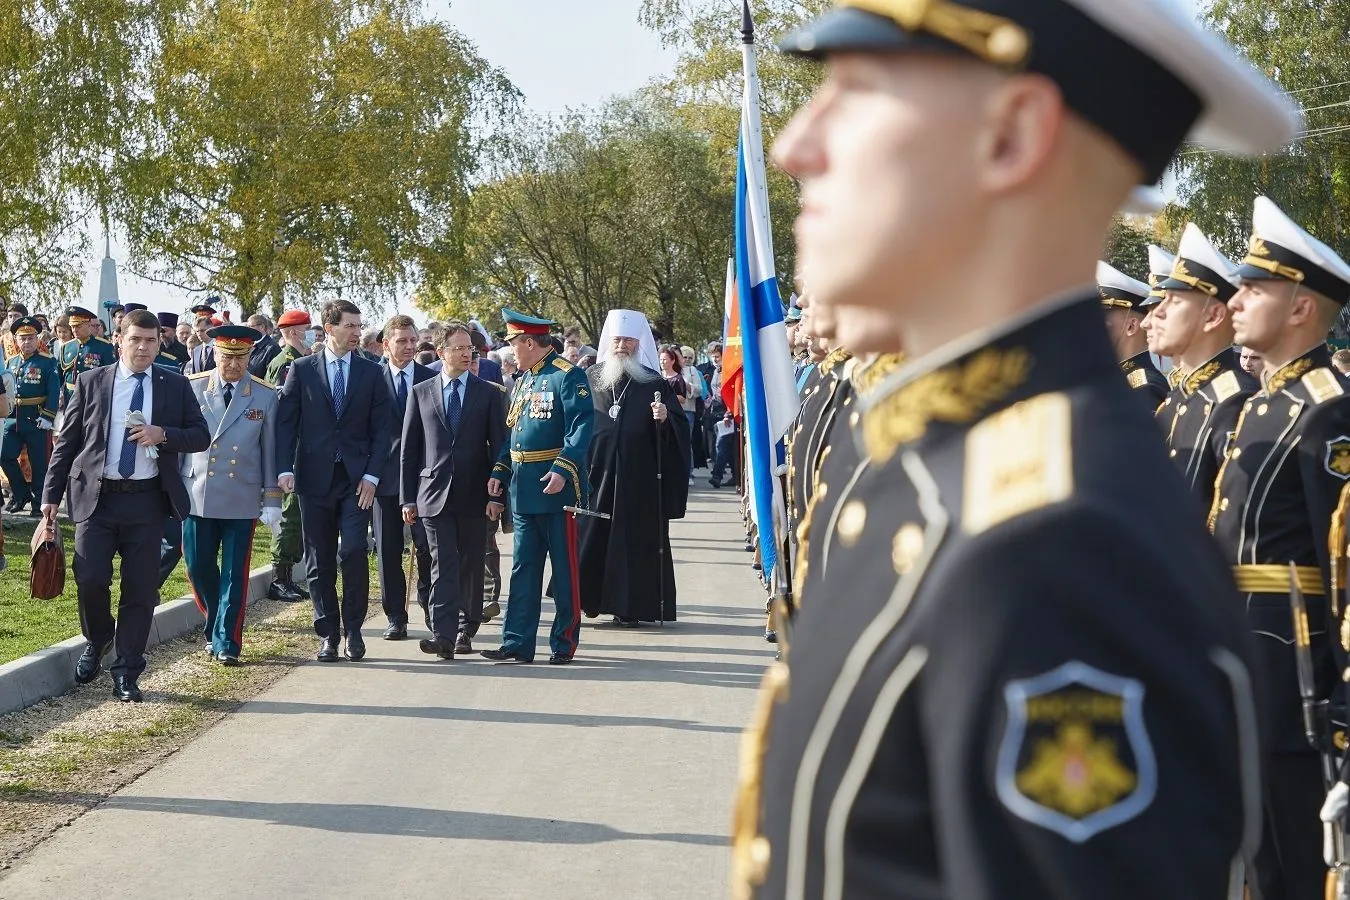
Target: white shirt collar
<point x="124" y="372"/>
<point x="462" y="378"/>
<point x="329" y="358"/>
<point x="395" y="371"/>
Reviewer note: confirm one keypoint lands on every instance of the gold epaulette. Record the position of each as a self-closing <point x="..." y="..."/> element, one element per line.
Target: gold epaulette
<point x="94" y="337"/>
<point x="562" y="364"/>
<point x="1322" y="385"/>
<point x="1137" y="378"/>
<point x="1226" y="385"/>
<point x="195" y="375"/>
<point x="45" y="354"/>
<point x="1018" y="460"/>
<point x="263" y="381"/>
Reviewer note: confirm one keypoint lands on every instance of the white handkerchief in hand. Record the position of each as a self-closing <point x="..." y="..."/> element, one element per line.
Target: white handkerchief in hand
<point x="134" y="418"/>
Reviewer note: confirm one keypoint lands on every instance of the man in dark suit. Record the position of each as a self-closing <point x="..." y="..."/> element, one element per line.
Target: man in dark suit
<point x="203" y="356"/>
<point x="452" y="432"/>
<point x="399" y="338"/>
<point x="333" y="438"/>
<point x="124" y="480"/>
<point x="266" y="350"/>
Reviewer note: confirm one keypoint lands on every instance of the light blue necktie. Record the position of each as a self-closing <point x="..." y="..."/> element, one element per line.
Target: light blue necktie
<point x="126" y="463"/>
<point x="339" y="391"/>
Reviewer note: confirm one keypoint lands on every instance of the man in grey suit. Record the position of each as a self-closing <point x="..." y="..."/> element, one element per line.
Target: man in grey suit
<point x="232" y="484"/>
<point x="453" y="429"/>
<point x="120" y="492"/>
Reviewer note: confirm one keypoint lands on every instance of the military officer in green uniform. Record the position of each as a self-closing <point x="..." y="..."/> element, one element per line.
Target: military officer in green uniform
<point x="544" y="466"/>
<point x="87" y="351"/>
<point x="287" y="546"/>
<point x="32" y="411"/>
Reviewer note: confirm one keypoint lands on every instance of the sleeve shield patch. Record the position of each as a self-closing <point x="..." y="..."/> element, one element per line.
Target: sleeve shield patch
<point x="1338" y="457"/>
<point x="1075" y="756"/>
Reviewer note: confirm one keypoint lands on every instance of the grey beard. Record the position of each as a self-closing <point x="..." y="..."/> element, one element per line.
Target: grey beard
<point x="616" y="367"/>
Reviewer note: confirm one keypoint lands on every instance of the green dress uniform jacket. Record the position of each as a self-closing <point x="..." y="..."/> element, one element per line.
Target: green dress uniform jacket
<point x="551" y="418"/>
<point x="79" y="357"/>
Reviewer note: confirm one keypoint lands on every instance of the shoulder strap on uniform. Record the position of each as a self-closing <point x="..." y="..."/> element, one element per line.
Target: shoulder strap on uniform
<point x="1322" y="385"/>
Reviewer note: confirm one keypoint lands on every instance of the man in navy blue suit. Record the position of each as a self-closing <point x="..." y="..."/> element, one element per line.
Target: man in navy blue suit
<point x="399" y="338"/>
<point x="334" y="434"/>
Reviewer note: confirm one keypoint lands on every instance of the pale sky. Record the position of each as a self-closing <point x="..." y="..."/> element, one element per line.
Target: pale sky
<point x="560" y="53"/>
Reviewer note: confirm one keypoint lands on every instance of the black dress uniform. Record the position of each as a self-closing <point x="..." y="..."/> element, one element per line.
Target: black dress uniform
<point x="1009" y="705"/>
<point x="1274" y="503"/>
<point x="809" y="436"/>
<point x="1143" y="376"/>
<point x="1200" y="416"/>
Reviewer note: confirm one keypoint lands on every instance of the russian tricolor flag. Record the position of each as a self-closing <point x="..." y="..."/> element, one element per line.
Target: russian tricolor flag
<point x="771" y="400"/>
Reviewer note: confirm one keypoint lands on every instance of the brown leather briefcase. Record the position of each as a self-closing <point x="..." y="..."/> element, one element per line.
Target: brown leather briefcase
<point x="47" y="576"/>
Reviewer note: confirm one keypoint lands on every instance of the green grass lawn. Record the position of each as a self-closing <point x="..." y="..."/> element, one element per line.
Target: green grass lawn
<point x="27" y="624"/>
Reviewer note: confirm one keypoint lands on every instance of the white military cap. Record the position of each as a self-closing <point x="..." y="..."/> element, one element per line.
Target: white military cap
<point x="1279" y="248"/>
<point x="1160" y="264"/>
<point x="1118" y="63"/>
<point x="1118" y="290"/>
<point x="1201" y="267"/>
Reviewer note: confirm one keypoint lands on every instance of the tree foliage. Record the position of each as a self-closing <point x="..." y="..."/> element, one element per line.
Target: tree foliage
<point x="1301" y="44"/>
<point x="621" y="207"/>
<point x="67" y="71"/>
<point x="291" y="147"/>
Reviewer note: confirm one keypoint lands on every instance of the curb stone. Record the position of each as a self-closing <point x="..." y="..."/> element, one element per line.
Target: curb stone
<point x="50" y="672"/>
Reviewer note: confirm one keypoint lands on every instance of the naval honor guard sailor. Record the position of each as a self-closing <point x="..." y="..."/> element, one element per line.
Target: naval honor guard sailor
<point x="1273" y="505"/>
<point x="1016" y="690"/>
<point x="1124" y="301"/>
<point x="1192" y="324"/>
<point x="232" y="485"/>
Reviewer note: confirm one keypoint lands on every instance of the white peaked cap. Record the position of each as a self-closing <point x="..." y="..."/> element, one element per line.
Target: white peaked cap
<point x="1272" y="226"/>
<point x="1160" y="262"/>
<point x="1197" y="248"/>
<point x="1109" y="277"/>
<point x="629" y="323"/>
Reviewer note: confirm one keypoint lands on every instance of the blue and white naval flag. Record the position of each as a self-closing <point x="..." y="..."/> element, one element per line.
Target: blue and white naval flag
<point x="771" y="400"/>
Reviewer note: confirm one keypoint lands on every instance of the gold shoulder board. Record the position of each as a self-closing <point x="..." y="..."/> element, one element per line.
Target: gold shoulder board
<point x="1017" y="461"/>
<point x="263" y="381"/>
<point x="1137" y="378"/>
<point x="195" y="375"/>
<point x="1225" y="386"/>
<point x="1322" y="385"/>
<point x="560" y="363"/>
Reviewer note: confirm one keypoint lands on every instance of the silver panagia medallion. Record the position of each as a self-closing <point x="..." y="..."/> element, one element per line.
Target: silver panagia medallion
<point x="614" y="411"/>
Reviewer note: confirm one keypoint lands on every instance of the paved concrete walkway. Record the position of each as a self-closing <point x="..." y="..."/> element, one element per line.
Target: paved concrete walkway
<point x="403" y="778"/>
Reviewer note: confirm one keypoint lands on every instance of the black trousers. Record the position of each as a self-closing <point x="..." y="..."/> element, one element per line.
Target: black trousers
<point x="457" y="548"/>
<point x="336" y="529"/>
<point x="130" y="525"/>
<point x="1289" y="862"/>
<point x="389" y="554"/>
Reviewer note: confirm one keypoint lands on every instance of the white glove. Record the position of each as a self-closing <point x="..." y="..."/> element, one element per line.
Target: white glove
<point x="44" y="425"/>
<point x="271" y="517"/>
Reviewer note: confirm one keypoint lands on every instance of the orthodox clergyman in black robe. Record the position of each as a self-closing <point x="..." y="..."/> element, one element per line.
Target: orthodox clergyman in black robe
<point x="625" y="565"/>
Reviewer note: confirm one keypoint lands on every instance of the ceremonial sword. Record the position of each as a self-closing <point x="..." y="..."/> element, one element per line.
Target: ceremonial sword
<point x="1317" y="729"/>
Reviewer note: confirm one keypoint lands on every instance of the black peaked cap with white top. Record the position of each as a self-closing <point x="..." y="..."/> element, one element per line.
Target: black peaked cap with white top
<point x="1279" y="248"/>
<point x="1118" y="63"/>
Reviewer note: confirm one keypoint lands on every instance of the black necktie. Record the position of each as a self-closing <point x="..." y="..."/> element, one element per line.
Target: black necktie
<point x="453" y="407"/>
<point x="229" y="394"/>
<point x="402" y="390"/>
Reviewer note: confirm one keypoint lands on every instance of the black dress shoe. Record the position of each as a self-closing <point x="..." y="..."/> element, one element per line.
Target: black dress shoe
<point x="396" y="632"/>
<point x="356" y="647"/>
<point x="437" y="647"/>
<point x="227" y="659"/>
<point x="502" y="655"/>
<point x="463" y="645"/>
<point x="491" y="610"/>
<point x="126" y="689"/>
<point x="559" y="659"/>
<point x="328" y="648"/>
<point x="90" y="662"/>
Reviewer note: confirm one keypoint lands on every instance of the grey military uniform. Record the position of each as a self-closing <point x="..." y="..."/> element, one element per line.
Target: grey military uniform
<point x="236" y="476"/>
